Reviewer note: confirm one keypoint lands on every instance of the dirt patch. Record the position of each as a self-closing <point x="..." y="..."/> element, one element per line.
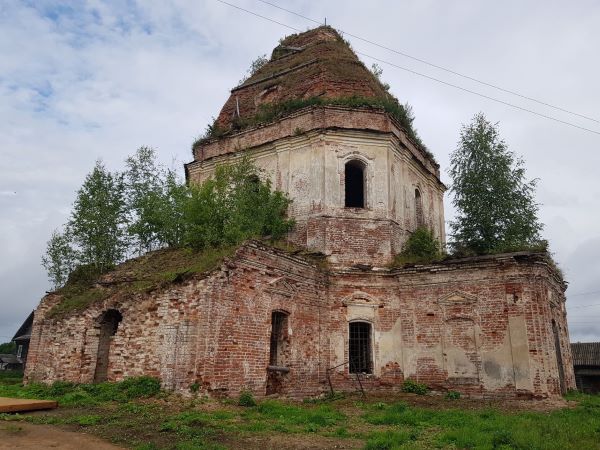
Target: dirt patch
<point x="17" y="435"/>
<point x="293" y="442"/>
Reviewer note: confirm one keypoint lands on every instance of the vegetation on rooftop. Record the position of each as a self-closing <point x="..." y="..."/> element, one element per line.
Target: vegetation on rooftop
<point x="495" y="203"/>
<point x="332" y="57"/>
<point x="421" y="247"/>
<point x="270" y="112"/>
<point x="134" y="413"/>
<point x="177" y="230"/>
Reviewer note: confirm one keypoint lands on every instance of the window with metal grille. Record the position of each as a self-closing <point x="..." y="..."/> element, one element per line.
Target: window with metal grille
<point x="354" y="180"/>
<point x="359" y="351"/>
<point x="278" y="338"/>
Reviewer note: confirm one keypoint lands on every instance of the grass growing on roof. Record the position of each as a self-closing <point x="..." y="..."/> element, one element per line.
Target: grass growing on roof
<point x="271" y="112"/>
<point x="151" y="271"/>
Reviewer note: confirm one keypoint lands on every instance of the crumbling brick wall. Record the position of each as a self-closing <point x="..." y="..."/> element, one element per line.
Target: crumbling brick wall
<point x="482" y="326"/>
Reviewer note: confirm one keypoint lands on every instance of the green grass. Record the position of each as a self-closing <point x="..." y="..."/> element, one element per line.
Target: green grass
<point x="135" y="414"/>
<point x="10" y="377"/>
<point x="78" y="395"/>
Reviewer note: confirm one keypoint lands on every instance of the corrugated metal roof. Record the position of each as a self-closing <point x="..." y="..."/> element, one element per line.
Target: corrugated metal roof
<point x="586" y="353"/>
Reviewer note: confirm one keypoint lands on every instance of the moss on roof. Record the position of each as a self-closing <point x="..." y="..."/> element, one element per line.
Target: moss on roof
<point x="315" y="67"/>
<point x="153" y="271"/>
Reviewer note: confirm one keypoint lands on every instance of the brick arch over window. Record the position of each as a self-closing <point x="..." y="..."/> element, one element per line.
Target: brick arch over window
<point x="355" y="184"/>
<point x="419" y="220"/>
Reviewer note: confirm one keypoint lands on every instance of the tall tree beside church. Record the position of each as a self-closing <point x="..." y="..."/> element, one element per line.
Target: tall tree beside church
<point x="98" y="220"/>
<point x="155" y="197"/>
<point x="144" y="194"/>
<point x="495" y="204"/>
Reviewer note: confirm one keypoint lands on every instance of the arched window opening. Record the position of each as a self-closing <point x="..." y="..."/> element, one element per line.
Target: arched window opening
<point x="359" y="351"/>
<point x="109" y="323"/>
<point x="419" y="209"/>
<point x="354" y="177"/>
<point x="279" y="339"/>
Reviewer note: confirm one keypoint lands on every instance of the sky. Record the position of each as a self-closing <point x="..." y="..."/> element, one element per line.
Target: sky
<point x="93" y="79"/>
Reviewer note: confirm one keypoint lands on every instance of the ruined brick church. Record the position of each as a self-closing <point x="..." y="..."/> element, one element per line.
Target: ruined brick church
<point x="279" y="322"/>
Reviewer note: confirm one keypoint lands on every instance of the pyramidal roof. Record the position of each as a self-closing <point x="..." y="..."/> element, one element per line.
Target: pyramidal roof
<point x="316" y="64"/>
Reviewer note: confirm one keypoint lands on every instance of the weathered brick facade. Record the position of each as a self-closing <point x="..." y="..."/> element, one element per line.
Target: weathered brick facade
<point x="275" y="322"/>
<point x="482" y="326"/>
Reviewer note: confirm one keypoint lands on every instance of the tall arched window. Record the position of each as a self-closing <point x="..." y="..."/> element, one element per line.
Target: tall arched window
<point x="359" y="348"/>
<point x="418" y="209"/>
<point x="354" y="177"/>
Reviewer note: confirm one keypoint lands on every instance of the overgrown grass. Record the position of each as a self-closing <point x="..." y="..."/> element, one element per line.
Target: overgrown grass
<point x="132" y="415"/>
<point x="71" y="394"/>
<point x="575" y="428"/>
<point x="144" y="274"/>
<point x="11" y="377"/>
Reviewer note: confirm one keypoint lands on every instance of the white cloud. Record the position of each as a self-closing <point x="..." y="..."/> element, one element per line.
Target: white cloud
<point x="83" y="80"/>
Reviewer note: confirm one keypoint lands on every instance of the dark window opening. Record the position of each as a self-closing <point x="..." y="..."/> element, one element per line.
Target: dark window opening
<point x="359" y="351"/>
<point x="355" y="184"/>
<point x="109" y="323"/>
<point x="279" y="339"/>
<point x="418" y="208"/>
<point x="559" y="360"/>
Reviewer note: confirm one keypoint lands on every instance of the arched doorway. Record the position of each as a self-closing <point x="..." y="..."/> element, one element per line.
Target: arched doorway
<point x="108" y="324"/>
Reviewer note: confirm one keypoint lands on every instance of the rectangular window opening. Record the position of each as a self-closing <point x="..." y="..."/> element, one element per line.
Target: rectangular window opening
<point x="278" y="338"/>
<point x="359" y="351"/>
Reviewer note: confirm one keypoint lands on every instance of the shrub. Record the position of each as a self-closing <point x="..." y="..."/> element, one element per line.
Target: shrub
<point x="232" y="206"/>
<point x="414" y="387"/>
<point x="452" y="395"/>
<point x="246" y="399"/>
<point x="421" y="247"/>
<point x="140" y="387"/>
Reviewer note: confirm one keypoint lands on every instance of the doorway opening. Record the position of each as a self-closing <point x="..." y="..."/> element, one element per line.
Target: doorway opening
<point x="109" y="323"/>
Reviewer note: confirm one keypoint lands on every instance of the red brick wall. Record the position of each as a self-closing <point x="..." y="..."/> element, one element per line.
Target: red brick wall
<point x="480" y="326"/>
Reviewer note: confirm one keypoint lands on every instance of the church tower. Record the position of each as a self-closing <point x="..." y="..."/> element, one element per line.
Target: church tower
<point x="331" y="136"/>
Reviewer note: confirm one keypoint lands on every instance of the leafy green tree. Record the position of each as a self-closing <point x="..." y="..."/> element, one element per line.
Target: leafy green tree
<point x="170" y="210"/>
<point x="60" y="258"/>
<point x="98" y="220"/>
<point x="234" y="205"/>
<point x="144" y="190"/>
<point x="8" y="348"/>
<point x="155" y="199"/>
<point x="496" y="209"/>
